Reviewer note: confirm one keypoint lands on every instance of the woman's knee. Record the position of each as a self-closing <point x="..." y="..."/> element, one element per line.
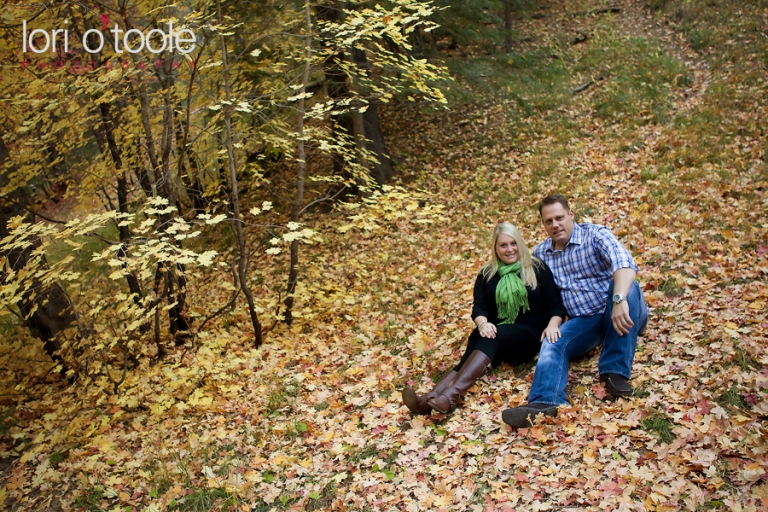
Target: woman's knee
<point x="489" y="349"/>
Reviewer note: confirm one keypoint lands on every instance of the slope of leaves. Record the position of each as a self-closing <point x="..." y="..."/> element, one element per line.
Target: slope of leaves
<point x="313" y="419"/>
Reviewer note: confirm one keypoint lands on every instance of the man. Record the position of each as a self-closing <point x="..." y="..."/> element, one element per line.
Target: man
<point x="596" y="276"/>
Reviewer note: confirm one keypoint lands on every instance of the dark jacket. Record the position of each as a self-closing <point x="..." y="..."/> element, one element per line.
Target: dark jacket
<point x="545" y="301"/>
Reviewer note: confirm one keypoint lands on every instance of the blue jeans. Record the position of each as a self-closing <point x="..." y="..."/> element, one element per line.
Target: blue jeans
<point x="582" y="334"/>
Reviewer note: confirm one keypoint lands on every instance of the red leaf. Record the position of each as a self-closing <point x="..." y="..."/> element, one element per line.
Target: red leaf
<point x="599" y="391"/>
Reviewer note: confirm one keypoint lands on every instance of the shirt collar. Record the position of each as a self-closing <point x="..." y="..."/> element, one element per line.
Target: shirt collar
<point x="577" y="237"/>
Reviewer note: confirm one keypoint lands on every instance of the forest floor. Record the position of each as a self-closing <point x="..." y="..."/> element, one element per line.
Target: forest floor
<point x="666" y="146"/>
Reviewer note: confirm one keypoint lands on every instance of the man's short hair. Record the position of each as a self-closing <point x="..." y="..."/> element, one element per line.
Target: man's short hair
<point x="552" y="199"/>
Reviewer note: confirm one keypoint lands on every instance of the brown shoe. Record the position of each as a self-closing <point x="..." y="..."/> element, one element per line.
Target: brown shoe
<point x="473" y="368"/>
<point x="416" y="403"/>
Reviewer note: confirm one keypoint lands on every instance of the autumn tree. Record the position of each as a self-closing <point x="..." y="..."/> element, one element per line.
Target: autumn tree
<point x="167" y="132"/>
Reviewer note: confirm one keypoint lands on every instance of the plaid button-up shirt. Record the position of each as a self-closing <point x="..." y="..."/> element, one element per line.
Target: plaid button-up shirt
<point x="584" y="268"/>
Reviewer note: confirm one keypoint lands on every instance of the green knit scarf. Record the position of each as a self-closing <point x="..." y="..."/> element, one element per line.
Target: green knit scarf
<point x="511" y="294"/>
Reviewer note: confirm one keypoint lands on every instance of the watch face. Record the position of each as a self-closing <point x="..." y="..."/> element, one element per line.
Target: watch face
<point x="618" y="298"/>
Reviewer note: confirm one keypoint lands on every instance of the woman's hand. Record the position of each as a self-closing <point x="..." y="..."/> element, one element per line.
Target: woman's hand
<point x="551" y="334"/>
<point x="487" y="330"/>
<point x="552" y="331"/>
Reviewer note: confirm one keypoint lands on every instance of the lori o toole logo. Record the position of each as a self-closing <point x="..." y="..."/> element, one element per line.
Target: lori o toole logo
<point x="158" y="40"/>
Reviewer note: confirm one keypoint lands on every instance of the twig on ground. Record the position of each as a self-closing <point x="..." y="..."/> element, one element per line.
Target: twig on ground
<point x="586" y="85"/>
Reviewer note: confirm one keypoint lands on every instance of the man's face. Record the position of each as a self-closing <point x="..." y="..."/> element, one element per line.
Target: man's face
<point x="558" y="222"/>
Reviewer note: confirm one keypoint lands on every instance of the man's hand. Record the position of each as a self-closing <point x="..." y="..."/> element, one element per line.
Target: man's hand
<point x="622" y="322"/>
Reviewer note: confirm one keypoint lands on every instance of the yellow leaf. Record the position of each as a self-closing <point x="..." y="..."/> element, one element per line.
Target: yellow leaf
<point x="28" y="456"/>
<point x="580" y="390"/>
<point x="159" y="408"/>
<point x="199" y="398"/>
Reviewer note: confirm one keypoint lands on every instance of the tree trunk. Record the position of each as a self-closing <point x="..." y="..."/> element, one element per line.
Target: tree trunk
<point x="162" y="173"/>
<point x="365" y="128"/>
<point x="192" y="184"/>
<point x="242" y="267"/>
<point x="293" y="273"/>
<point x="338" y="90"/>
<point x="381" y="171"/>
<point x="122" y="197"/>
<point x="53" y="312"/>
<point x="508" y="26"/>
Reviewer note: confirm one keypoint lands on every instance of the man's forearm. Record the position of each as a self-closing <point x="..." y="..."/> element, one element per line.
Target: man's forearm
<point x="622" y="280"/>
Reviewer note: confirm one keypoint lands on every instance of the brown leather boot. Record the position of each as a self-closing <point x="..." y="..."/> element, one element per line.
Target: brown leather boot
<point x="473" y="368"/>
<point x="417" y="404"/>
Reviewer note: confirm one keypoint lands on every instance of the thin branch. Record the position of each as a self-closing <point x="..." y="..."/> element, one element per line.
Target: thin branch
<point x="38" y="214"/>
<point x="33" y="18"/>
<point x="15" y="313"/>
<point x="583" y="87"/>
<point x="228" y="304"/>
<point x="322" y="199"/>
<point x="109" y="199"/>
<point x="34" y="212"/>
<point x="116" y="384"/>
<point x="105" y="240"/>
<point x="277" y="313"/>
<point x="604" y="10"/>
<point x="74" y="310"/>
<point x="10" y="467"/>
<point x="586" y="85"/>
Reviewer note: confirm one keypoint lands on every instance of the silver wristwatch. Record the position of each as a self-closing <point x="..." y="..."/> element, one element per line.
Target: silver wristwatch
<point x="618" y="298"/>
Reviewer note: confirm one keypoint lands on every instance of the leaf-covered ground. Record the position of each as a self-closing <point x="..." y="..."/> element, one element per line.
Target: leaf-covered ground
<point x="666" y="146"/>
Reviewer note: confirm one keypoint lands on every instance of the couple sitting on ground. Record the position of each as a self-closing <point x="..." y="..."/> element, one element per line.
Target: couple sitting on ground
<point x="521" y="302"/>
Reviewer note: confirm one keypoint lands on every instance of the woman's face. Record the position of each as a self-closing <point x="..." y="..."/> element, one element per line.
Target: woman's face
<point x="506" y="249"/>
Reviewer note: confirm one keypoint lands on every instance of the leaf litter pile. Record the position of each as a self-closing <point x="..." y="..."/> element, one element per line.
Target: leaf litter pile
<point x="313" y="419"/>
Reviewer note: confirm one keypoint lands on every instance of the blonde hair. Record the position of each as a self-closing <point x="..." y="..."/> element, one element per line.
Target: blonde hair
<point x="526" y="259"/>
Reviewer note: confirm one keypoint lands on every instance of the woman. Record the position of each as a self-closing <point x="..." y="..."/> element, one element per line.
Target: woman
<point x="517" y="305"/>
